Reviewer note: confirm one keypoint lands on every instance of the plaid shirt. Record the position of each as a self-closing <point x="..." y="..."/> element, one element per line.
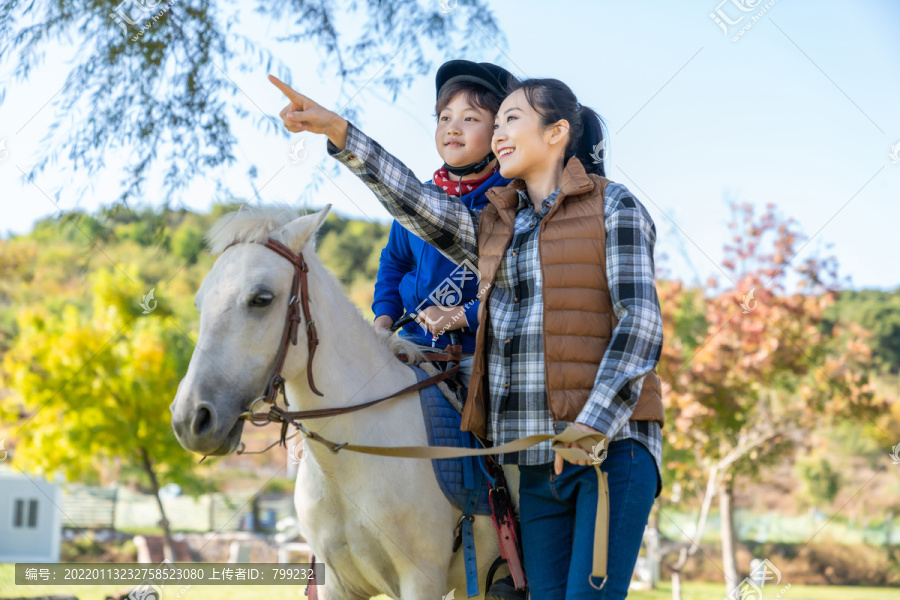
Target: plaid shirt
<point x="518" y="401"/>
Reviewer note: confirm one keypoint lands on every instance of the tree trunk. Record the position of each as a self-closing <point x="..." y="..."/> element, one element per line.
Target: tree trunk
<point x="729" y="560"/>
<point x="712" y="488"/>
<point x="653" y="557"/>
<point x="691" y="549"/>
<point x="889" y="527"/>
<point x="676" y="573"/>
<point x="168" y="546"/>
<point x="254" y="507"/>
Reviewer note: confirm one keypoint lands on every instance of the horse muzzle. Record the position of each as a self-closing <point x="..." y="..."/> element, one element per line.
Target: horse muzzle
<point x="205" y="429"/>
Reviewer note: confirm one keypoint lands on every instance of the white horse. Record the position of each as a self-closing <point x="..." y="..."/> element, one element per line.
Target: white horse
<point x="381" y="525"/>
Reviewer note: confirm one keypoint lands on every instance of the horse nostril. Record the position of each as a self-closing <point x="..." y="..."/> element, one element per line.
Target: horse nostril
<point x="204" y="421"/>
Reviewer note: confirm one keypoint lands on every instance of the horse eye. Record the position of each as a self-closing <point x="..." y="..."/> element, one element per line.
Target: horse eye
<point x="263" y="299"/>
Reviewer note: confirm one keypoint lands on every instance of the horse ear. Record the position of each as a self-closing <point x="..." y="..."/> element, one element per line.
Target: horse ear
<point x="300" y="231"/>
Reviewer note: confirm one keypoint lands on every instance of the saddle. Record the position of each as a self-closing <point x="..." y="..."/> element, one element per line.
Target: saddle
<point x="461" y="481"/>
<point x="459" y="478"/>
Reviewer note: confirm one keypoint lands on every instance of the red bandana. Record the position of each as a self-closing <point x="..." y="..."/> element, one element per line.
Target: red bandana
<point x="443" y="179"/>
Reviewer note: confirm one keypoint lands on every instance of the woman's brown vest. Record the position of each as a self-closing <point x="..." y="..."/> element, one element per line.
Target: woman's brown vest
<point x="578" y="315"/>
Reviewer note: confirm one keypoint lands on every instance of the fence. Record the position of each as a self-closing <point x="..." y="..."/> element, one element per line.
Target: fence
<point x="89" y="507"/>
<point x="122" y="509"/>
<point x="786" y="529"/>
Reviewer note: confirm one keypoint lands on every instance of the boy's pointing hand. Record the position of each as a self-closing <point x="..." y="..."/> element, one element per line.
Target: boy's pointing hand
<point x="303" y="114"/>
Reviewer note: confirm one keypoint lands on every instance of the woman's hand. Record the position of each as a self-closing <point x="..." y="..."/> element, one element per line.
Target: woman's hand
<point x="302" y="114"/>
<point x="383" y="322"/>
<point x="558" y="461"/>
<point x="438" y="319"/>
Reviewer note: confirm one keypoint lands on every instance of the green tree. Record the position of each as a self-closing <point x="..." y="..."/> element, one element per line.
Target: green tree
<point x="878" y="312"/>
<point x="95" y="388"/>
<point x="821" y="481"/>
<point x="187" y="243"/>
<point x="351" y="249"/>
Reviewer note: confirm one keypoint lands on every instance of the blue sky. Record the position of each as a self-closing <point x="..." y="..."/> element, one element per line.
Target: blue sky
<point x="801" y="111"/>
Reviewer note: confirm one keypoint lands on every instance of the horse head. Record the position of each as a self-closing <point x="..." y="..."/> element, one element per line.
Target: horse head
<point x="243" y="303"/>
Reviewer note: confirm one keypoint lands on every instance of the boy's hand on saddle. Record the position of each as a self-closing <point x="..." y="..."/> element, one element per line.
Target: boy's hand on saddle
<point x="558" y="461"/>
<point x="304" y="114"/>
<point x="437" y="319"/>
<point x="383" y="322"/>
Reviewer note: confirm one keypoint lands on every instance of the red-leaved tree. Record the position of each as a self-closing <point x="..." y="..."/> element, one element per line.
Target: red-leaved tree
<point x="749" y="368"/>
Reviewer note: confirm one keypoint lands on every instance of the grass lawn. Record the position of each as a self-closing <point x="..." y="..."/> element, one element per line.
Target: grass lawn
<point x="9" y="589"/>
<point x="691" y="591"/>
<point x="716" y="591"/>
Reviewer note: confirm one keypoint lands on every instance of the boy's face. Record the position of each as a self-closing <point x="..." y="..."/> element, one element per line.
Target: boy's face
<point x="463" y="134"/>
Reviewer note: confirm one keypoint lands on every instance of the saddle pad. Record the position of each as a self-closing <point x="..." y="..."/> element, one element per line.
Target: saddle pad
<point x="456" y="476"/>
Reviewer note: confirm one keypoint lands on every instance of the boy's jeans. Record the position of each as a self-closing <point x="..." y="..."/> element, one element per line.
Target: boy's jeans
<point x="557" y="514"/>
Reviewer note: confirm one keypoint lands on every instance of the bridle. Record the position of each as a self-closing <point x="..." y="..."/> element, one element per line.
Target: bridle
<point x="299" y="300"/>
<point x="298" y="284"/>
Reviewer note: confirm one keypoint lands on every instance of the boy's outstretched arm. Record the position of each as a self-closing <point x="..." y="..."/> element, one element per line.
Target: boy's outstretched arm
<point x="426" y="210"/>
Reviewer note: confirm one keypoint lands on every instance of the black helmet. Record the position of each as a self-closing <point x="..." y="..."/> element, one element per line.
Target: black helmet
<point x="494" y="78"/>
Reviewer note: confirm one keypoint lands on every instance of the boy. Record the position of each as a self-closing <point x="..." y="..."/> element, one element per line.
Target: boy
<point x="413" y="275"/>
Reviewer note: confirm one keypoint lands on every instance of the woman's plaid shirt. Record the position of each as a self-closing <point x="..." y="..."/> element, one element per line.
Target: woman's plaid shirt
<point x="518" y="401"/>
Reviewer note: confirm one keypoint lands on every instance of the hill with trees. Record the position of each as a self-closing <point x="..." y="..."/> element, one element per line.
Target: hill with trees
<point x="757" y="378"/>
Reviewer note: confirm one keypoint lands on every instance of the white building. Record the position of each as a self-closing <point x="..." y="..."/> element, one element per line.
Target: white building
<point x="30" y="526"/>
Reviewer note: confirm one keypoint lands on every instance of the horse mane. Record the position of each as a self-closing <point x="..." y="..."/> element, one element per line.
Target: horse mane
<point x="255" y="225"/>
<point x="399" y="345"/>
<point x="249" y="224"/>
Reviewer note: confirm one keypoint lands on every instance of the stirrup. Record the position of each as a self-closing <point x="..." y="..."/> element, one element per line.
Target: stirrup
<point x="489" y="579"/>
<point x="505" y="591"/>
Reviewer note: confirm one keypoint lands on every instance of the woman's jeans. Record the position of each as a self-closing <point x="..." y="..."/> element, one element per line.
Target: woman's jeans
<point x="557" y="514"/>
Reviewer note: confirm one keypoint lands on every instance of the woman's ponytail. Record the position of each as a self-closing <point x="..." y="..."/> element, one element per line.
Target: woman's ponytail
<point x="553" y="100"/>
<point x="592" y="148"/>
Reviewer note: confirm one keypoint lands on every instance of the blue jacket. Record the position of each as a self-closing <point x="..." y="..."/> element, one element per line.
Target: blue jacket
<point x="414" y="275"/>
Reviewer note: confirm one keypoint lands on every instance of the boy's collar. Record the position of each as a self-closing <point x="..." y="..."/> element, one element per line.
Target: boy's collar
<point x="470" y="168"/>
<point x="452" y="184"/>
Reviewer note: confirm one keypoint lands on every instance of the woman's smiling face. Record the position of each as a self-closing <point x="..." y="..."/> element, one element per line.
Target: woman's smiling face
<point x="520" y="141"/>
<point x="463" y="134"/>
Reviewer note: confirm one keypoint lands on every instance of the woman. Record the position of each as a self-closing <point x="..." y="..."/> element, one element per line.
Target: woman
<point x="571" y="327"/>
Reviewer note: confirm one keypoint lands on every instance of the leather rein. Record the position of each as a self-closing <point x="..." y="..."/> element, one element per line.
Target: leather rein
<point x="299" y="300"/>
